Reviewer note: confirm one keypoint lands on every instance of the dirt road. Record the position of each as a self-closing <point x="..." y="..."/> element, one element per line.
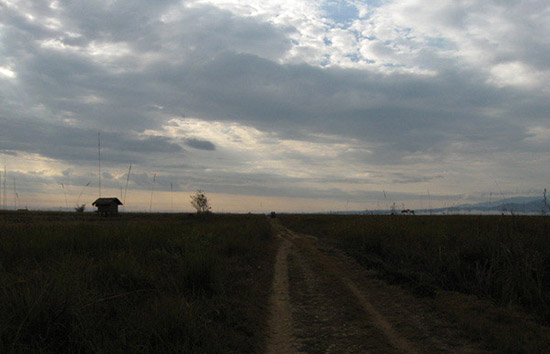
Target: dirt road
<point x="323" y="302"/>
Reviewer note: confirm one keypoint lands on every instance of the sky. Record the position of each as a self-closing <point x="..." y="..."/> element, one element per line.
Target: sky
<point x="287" y="105"/>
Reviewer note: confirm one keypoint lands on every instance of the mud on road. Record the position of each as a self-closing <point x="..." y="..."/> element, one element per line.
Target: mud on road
<point x="324" y="302"/>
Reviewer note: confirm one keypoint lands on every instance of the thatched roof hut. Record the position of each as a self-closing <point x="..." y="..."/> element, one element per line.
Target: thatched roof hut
<point x="107" y="206"/>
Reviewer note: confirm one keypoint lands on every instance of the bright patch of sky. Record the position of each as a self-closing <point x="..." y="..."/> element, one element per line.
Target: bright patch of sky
<point x="7" y="73"/>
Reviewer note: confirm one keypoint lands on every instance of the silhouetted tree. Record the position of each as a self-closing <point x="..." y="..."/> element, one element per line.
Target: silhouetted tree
<point x="200" y="202"/>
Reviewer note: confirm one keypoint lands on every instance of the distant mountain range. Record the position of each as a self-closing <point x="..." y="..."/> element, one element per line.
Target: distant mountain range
<point x="527" y="205"/>
<point x="520" y="205"/>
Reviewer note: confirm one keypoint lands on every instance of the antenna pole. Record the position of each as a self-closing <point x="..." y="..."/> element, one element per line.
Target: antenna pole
<point x="99" y="161"/>
<point x="5" y="195"/>
<point x="126" y="189"/>
<point x="152" y="190"/>
<point x="65" y="194"/>
<point x="14" y="194"/>
<point x="80" y="195"/>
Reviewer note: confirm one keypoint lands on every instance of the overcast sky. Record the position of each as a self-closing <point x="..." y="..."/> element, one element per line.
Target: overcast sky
<point x="292" y="105"/>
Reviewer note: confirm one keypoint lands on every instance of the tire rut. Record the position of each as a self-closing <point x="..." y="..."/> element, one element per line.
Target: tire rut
<point x="280" y="325"/>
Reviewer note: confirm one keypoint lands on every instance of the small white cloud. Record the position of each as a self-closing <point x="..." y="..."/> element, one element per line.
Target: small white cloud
<point x="92" y="99"/>
<point x="538" y="135"/>
<point x="54" y="5"/>
<point x="52" y="23"/>
<point x="54" y="44"/>
<point x="108" y="50"/>
<point x="7" y="72"/>
<point x="512" y="74"/>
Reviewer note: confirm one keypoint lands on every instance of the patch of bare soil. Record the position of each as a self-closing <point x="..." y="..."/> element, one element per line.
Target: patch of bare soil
<point x="280" y="324"/>
<point x="324" y="302"/>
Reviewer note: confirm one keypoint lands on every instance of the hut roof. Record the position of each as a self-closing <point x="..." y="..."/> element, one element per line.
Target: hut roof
<point x="106" y="201"/>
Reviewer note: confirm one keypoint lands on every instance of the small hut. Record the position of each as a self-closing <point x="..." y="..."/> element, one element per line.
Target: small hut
<point x="107" y="206"/>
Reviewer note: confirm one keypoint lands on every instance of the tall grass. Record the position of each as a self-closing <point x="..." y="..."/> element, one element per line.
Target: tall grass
<point x="133" y="284"/>
<point x="504" y="258"/>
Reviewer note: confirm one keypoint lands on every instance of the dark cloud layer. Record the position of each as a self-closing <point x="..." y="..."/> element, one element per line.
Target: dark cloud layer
<point x="128" y="68"/>
<point x="224" y="78"/>
<point x="77" y="145"/>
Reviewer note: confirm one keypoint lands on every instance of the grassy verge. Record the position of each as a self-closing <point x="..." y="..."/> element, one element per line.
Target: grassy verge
<point x="136" y="283"/>
<point x="505" y="260"/>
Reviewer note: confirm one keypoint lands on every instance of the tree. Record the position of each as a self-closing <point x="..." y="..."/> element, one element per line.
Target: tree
<point x="200" y="202"/>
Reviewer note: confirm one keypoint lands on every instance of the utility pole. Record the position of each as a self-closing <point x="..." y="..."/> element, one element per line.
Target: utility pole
<point x="99" y="161"/>
<point x="152" y="190"/>
<point x="5" y="191"/>
<point x="15" y="196"/>
<point x="126" y="188"/>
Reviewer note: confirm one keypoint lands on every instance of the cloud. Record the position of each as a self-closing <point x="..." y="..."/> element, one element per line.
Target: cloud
<point x="79" y="145"/>
<point x="406" y="179"/>
<point x="200" y="144"/>
<point x="337" y="96"/>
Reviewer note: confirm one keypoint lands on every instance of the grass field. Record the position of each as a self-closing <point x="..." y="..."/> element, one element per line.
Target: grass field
<point x="138" y="283"/>
<point x="506" y="259"/>
<point x="167" y="283"/>
<point x="501" y="265"/>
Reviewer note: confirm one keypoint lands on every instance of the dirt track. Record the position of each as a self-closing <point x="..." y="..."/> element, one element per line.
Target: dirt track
<point x="323" y="302"/>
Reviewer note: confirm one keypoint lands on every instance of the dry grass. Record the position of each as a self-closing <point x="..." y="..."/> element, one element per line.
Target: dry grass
<point x="137" y="283"/>
<point x="503" y="260"/>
